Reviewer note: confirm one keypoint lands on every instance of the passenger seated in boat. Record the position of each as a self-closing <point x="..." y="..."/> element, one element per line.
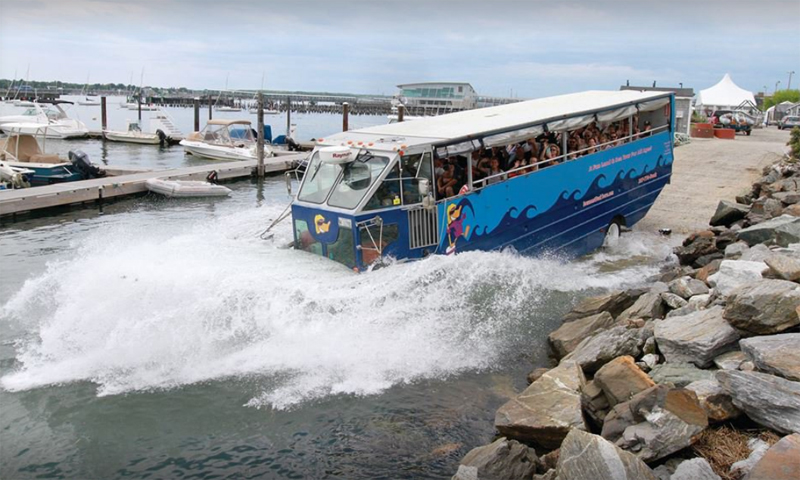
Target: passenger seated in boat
<point x="494" y="172"/>
<point x="446" y="183"/>
<point x="647" y="129"/>
<point x="438" y="167"/>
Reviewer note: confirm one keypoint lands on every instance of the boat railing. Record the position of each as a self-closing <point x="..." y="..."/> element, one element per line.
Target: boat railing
<point x="569" y="156"/>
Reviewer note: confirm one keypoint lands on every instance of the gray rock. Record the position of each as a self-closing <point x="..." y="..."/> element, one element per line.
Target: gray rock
<point x="679" y="374"/>
<point x="735" y="273"/>
<point x="699" y="301"/>
<point x="585" y="456"/>
<point x="780" y="462"/>
<point x="601" y="348"/>
<point x="782" y="230"/>
<point x="687" y="287"/>
<point x="764" y="209"/>
<point x="613" y="303"/>
<point x="718" y="405"/>
<point x="547" y="410"/>
<point x="570" y="334"/>
<point x="784" y="267"/>
<point x="771" y="401"/>
<point x="735" y="251"/>
<point x="757" y="448"/>
<point x="764" y="307"/>
<point x="695" y="247"/>
<point x="757" y="253"/>
<point x="728" y="212"/>
<point x="747" y="366"/>
<point x="656" y="422"/>
<point x="787" y="198"/>
<point x="650" y="360"/>
<point x="620" y="379"/>
<point x="649" y="345"/>
<point x="503" y="459"/>
<point x="694" y="469"/>
<point x="730" y="360"/>
<point x="594" y="402"/>
<point x="659" y="287"/>
<point x="696" y="338"/>
<point x="549" y="475"/>
<point x="650" y="305"/>
<point x="673" y="301"/>
<point x="666" y="469"/>
<point x="683" y="311"/>
<point x="776" y="354"/>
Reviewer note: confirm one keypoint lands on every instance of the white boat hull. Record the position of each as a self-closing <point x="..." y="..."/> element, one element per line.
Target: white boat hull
<point x="52" y="130"/>
<point x="145" y="108"/>
<point x="128" y="137"/>
<point x="219" y="152"/>
<point x="186" y="188"/>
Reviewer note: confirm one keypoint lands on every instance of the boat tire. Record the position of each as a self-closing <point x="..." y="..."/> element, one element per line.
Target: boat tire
<point x="612" y="233"/>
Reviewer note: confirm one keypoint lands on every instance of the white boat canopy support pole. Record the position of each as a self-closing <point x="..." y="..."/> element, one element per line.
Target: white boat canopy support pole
<point x="260" y="138"/>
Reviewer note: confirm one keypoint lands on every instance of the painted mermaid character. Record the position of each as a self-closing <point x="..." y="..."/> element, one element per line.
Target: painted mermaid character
<point x="455" y="227"/>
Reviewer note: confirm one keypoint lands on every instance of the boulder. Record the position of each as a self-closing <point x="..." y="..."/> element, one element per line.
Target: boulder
<point x="708" y="270"/>
<point x="699" y="302"/>
<point x="695" y="248"/>
<point x="613" y="303"/>
<point x="685" y="310"/>
<point x="725" y="238"/>
<point x="764" y="307"/>
<point x="673" y="301"/>
<point x="696" y="338"/>
<point x="536" y="374"/>
<point x="771" y="401"/>
<point x="787" y="198"/>
<point x="594" y="402"/>
<point x="784" y="267"/>
<point x="780" y="462"/>
<point x="735" y="273"/>
<point x="620" y="379"/>
<point x="687" y="287"/>
<point x="656" y="422"/>
<point x="730" y="360"/>
<point x="585" y="456"/>
<point x="549" y="475"/>
<point x="694" y="469"/>
<point x="601" y="348"/>
<point x="764" y="209"/>
<point x="792" y="210"/>
<point x="776" y="354"/>
<point x="679" y="374"/>
<point x="757" y="253"/>
<point x="757" y="449"/>
<point x="503" y="459"/>
<point x="649" y="361"/>
<point x="734" y="251"/>
<point x="728" y="212"/>
<point x="650" y="305"/>
<point x="570" y="334"/>
<point x="547" y="410"/>
<point x="718" y="405"/>
<point x="706" y="259"/>
<point x="782" y="230"/>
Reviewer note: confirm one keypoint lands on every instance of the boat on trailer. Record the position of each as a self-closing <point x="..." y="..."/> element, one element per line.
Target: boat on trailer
<point x="371" y="193"/>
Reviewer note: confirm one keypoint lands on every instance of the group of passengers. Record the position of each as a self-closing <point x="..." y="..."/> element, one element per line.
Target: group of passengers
<point x="492" y="165"/>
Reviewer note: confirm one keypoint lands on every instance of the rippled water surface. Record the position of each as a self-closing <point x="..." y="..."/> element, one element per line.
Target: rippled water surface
<point x="164" y="339"/>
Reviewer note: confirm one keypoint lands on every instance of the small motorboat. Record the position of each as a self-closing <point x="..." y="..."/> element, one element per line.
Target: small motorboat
<point x="186" y="188"/>
<point x="229" y="109"/>
<point x="145" y="107"/>
<point x="224" y="140"/>
<point x="93" y="101"/>
<point x="21" y="150"/>
<point x="134" y="134"/>
<point x="14" y="177"/>
<point x="49" y="114"/>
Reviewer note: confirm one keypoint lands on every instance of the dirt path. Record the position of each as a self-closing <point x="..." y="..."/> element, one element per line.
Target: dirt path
<point x="707" y="171"/>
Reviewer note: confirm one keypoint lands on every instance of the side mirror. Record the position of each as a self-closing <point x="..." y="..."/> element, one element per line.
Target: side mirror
<point x="288" y="177"/>
<point x="424" y="187"/>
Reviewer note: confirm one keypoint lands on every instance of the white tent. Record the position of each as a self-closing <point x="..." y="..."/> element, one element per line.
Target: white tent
<point x="723" y="95"/>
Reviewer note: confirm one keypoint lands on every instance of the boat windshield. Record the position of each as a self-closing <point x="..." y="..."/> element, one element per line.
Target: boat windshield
<point x="227" y="134"/>
<point x="352" y="180"/>
<point x="356" y="179"/>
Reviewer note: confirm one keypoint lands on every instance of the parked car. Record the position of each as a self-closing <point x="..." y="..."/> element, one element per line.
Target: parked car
<point x="789" y="122"/>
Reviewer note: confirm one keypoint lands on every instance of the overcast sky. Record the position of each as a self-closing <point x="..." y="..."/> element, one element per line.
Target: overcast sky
<point x="533" y="48"/>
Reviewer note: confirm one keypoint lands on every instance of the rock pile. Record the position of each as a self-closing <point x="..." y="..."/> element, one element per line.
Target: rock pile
<point x="643" y="372"/>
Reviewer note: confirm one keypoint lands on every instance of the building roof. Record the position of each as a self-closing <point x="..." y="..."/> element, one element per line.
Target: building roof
<point x="724" y="94"/>
<point x="486" y="121"/>
<point x="433" y="83"/>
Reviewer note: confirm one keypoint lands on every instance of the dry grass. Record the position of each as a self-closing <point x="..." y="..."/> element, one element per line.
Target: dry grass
<point x="724" y="446"/>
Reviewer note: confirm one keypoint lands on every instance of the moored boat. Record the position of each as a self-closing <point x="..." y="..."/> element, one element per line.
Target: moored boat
<point x="134" y="134"/>
<point x="47" y="113"/>
<point x="186" y="188"/>
<point x="224" y="140"/>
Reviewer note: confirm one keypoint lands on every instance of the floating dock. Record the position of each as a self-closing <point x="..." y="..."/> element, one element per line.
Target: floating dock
<point x="95" y="191"/>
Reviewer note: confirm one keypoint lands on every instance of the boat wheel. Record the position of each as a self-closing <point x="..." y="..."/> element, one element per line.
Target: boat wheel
<point x="612" y="234"/>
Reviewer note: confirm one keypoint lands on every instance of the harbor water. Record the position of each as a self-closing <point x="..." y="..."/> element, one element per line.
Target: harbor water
<point x="165" y="339"/>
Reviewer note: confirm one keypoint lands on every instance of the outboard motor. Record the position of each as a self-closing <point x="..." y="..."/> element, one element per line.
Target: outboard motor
<point x="85" y="166"/>
<point x="163" y="139"/>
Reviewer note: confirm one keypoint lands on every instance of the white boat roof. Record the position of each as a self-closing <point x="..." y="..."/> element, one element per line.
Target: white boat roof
<point x="222" y="121"/>
<point x="482" y="121"/>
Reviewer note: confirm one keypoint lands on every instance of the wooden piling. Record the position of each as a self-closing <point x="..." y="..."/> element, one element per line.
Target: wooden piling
<point x="401" y="112"/>
<point x="139" y="103"/>
<point x="288" y="116"/>
<point x="260" y="142"/>
<point x="196" y="114"/>
<point x="103" y="116"/>
<point x="345" y="116"/>
<point x="209" y="107"/>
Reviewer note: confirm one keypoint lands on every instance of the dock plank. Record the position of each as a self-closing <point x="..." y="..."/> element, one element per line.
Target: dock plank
<point x="61" y="194"/>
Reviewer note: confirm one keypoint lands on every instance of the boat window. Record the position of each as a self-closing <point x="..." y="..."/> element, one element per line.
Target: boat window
<point x="451" y="175"/>
<point x="343" y="249"/>
<point x="357" y="177"/>
<point x="415" y="168"/>
<point x="241" y="132"/>
<point x="318" y="180"/>
<point x="305" y="241"/>
<point x="31" y="112"/>
<point x="374" y="239"/>
<point x="388" y="194"/>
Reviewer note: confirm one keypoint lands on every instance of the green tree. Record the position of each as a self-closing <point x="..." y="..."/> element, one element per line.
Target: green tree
<point x="782" y="96"/>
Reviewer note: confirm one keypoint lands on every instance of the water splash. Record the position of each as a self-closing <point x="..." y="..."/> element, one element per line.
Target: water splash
<point x="146" y="304"/>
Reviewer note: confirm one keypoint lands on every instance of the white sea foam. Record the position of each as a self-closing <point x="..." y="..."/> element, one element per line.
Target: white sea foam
<point x="143" y="305"/>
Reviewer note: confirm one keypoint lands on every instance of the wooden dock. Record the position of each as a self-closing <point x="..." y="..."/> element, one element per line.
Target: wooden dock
<point x="14" y="202"/>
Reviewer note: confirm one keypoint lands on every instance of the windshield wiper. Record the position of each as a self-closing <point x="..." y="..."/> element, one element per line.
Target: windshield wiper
<point x="365" y="157"/>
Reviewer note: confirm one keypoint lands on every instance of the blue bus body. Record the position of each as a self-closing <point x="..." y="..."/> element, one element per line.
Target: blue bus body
<point x="563" y="209"/>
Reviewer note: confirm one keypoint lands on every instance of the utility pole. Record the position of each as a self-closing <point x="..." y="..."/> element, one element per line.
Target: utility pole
<point x="789" y="85"/>
<point x="776" y="87"/>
